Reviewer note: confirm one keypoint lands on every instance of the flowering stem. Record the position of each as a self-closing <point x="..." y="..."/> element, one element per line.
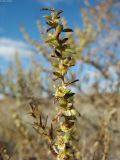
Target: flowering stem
<point x="63" y="61"/>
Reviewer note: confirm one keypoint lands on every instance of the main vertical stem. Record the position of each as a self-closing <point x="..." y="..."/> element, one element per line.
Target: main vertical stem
<point x="63" y="60"/>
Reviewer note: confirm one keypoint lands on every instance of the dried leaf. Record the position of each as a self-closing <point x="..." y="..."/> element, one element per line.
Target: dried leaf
<point x="67" y="30"/>
<point x="51" y="132"/>
<point x="57" y="54"/>
<point x="68" y="95"/>
<point x="41" y="122"/>
<point x="64" y="40"/>
<point x="49" y="23"/>
<point x="47" y="9"/>
<point x="33" y="115"/>
<point x="57" y="74"/>
<point x="72" y="82"/>
<point x="59" y="12"/>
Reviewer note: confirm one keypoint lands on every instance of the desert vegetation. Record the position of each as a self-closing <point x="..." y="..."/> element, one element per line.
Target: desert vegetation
<point x="66" y="104"/>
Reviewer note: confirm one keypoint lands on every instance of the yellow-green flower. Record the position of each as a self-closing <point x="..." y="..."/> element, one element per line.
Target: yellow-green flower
<point x="72" y="112"/>
<point x="61" y="142"/>
<point x="61" y="91"/>
<point x="64" y="155"/>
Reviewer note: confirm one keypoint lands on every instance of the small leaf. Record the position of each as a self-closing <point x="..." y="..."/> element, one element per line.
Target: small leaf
<point x="52" y="24"/>
<point x="50" y="40"/>
<point x="52" y="55"/>
<point x="33" y="115"/>
<point x="51" y="132"/>
<point x="55" y="64"/>
<point x="59" y="12"/>
<point x="75" y="113"/>
<point x="70" y="50"/>
<point x="60" y="48"/>
<point x="59" y="29"/>
<point x="57" y="53"/>
<point x="68" y="95"/>
<point x="44" y="9"/>
<point x="49" y="29"/>
<point x="67" y="30"/>
<point x="64" y="40"/>
<point x="63" y="47"/>
<point x="47" y="17"/>
<point x="57" y="74"/>
<point x="71" y="82"/>
<point x="58" y="17"/>
<point x="41" y="125"/>
<point x="49" y="23"/>
<point x="47" y="9"/>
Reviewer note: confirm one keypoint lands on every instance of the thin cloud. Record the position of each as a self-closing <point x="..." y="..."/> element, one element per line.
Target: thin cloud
<point x="9" y="47"/>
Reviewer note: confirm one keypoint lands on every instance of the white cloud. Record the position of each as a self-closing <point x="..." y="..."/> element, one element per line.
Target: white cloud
<point x="9" y="47"/>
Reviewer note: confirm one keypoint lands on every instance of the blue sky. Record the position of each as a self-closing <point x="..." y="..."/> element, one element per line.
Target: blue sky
<point x="17" y="12"/>
<point x="14" y="13"/>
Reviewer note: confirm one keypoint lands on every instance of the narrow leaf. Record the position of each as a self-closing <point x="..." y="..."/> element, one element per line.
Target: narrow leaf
<point x="47" y="9"/>
<point x="51" y="132"/>
<point x="57" y="74"/>
<point x="68" y="95"/>
<point x="49" y="23"/>
<point x="67" y="30"/>
<point x="47" y="17"/>
<point x="59" y="12"/>
<point x="64" y="40"/>
<point x="72" y="82"/>
<point x="57" y="53"/>
<point x="41" y="122"/>
<point x="49" y="29"/>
